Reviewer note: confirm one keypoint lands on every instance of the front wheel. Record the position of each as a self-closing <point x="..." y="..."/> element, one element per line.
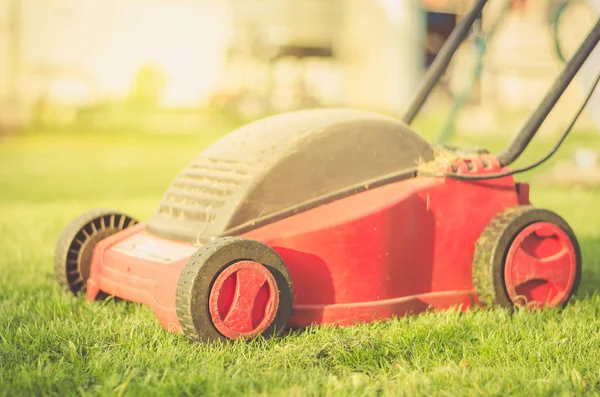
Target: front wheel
<point x="234" y="288"/>
<point x="526" y="256"/>
<point x="73" y="255"/>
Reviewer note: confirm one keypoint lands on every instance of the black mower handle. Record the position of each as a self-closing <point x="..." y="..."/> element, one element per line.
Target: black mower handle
<point x="531" y="127"/>
<point x="442" y="60"/>
<point x="519" y="143"/>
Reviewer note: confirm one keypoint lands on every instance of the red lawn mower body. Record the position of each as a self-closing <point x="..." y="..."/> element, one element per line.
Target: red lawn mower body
<point x="319" y="217"/>
<point x="405" y="247"/>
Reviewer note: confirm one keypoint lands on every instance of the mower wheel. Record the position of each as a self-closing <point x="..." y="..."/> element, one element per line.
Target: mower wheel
<point x="526" y="256"/>
<point x="73" y="255"/>
<point x="234" y="288"/>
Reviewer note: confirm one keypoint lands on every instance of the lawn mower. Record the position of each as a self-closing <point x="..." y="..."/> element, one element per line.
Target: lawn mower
<point x="333" y="217"/>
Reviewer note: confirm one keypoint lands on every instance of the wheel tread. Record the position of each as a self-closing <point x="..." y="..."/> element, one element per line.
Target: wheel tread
<point x="70" y="243"/>
<point x="491" y="247"/>
<point x="193" y="324"/>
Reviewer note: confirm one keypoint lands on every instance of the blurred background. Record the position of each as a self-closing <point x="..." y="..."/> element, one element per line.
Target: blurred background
<point x="109" y="99"/>
<point x="170" y="65"/>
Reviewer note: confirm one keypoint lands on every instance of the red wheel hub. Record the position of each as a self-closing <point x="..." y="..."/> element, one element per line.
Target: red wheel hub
<point x="540" y="266"/>
<point x="243" y="300"/>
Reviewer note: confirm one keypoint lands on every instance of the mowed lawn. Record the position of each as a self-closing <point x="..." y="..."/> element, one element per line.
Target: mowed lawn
<point x="54" y="344"/>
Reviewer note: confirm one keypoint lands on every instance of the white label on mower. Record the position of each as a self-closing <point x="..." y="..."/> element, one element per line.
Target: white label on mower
<point x="149" y="248"/>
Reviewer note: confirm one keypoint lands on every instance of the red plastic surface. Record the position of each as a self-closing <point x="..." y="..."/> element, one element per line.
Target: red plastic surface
<point x="243" y="300"/>
<point x="390" y="251"/>
<point x="139" y="267"/>
<point x="540" y="266"/>
<point x="402" y="248"/>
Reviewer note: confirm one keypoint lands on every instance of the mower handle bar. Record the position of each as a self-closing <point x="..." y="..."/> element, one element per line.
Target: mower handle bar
<point x="519" y="143"/>
<point x="442" y="60"/>
<point x="521" y="140"/>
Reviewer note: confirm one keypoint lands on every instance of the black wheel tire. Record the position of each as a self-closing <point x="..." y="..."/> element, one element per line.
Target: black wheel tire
<point x="200" y="272"/>
<point x="73" y="255"/>
<point x="492" y="248"/>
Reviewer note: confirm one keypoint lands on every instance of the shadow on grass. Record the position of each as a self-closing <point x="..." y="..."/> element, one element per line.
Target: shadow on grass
<point x="590" y="279"/>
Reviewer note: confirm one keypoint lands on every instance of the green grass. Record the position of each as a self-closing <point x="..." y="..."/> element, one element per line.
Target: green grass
<point x="54" y="344"/>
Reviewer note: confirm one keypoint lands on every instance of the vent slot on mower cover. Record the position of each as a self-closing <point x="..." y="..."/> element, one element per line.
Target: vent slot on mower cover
<point x="278" y="164"/>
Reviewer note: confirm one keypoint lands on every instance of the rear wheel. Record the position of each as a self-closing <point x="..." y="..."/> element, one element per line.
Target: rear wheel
<point x="73" y="255"/>
<point x="526" y="256"/>
<point x="234" y="288"/>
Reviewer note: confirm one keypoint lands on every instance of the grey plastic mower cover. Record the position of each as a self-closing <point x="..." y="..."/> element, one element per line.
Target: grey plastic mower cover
<point x="281" y="165"/>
